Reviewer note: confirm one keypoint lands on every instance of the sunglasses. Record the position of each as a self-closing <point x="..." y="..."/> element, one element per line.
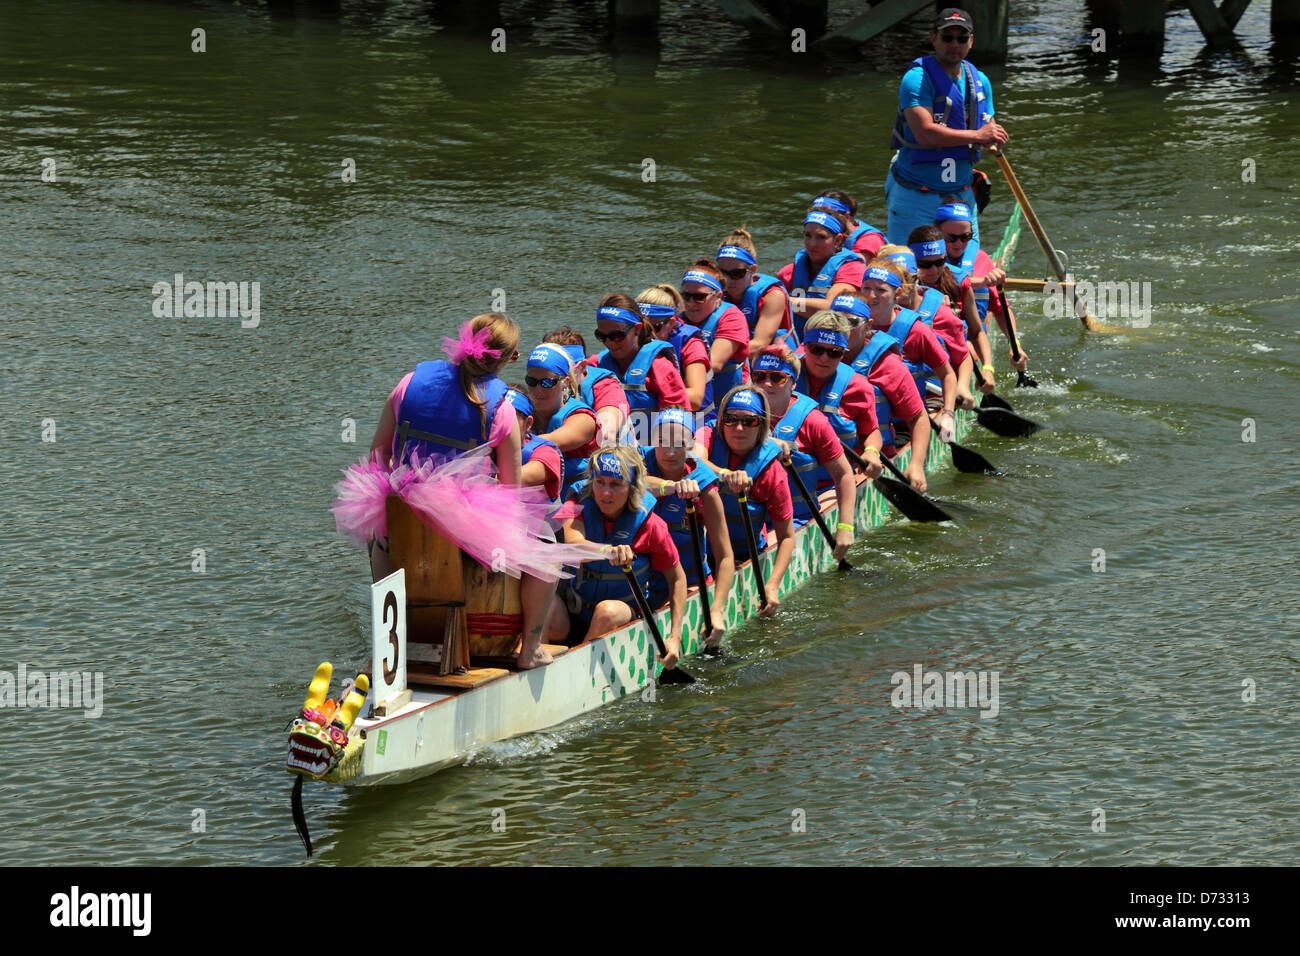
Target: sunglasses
<point x="929" y="263"/>
<point x="618" y="336"/>
<point x="954" y="37"/>
<point x="826" y="350"/>
<point x="741" y="421"/>
<point x="541" y="382"/>
<point x="765" y="378"/>
<point x="696" y="296"/>
<point x="734" y="274"/>
<point x="947" y="237"/>
<point x="661" y="323"/>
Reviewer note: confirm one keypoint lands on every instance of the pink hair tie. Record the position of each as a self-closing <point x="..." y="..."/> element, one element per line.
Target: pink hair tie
<point x="469" y="345"/>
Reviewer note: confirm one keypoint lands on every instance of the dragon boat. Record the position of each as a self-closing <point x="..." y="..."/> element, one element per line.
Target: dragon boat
<point x="425" y="708"/>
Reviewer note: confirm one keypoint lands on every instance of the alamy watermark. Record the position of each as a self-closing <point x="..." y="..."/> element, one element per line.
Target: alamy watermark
<point x="65" y="689"/>
<point x="211" y="300"/>
<point x="1105" y="300"/>
<point x="946" y="689"/>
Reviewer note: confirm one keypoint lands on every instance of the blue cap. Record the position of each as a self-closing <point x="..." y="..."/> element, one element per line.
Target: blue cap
<point x="852" y="305"/>
<point x="746" y="400"/>
<point x="837" y="340"/>
<point x="906" y="258"/>
<point x="953" y="212"/>
<point x="928" y="250"/>
<point x="836" y="204"/>
<point x="609" y="465"/>
<point x="703" y="278"/>
<point x="768" y="362"/>
<point x="615" y="314"/>
<point x="825" y="220"/>
<point x="736" y="252"/>
<point x="520" y="401"/>
<point x="553" y="358"/>
<point x="883" y="275"/>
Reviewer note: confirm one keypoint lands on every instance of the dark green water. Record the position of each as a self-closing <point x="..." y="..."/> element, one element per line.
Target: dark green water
<point x="1120" y="690"/>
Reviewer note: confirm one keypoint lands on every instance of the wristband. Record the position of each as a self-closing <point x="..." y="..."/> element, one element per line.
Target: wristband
<point x="843" y="527"/>
<point x="872" y="450"/>
<point x="987" y="368"/>
<point x="949" y="413"/>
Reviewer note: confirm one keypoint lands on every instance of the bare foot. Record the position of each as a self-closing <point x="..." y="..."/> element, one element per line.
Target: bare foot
<point x="537" y="657"/>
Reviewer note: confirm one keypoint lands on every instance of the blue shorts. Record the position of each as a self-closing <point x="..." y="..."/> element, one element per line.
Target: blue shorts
<point x="909" y="208"/>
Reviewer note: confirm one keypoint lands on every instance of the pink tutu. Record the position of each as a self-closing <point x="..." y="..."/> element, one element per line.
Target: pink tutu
<point x="503" y="527"/>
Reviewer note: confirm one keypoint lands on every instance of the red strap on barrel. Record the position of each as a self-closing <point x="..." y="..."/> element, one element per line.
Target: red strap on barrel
<point x="494" y="623"/>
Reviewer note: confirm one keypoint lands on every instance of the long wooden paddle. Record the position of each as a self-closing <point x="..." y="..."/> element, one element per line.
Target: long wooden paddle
<point x="999" y="420"/>
<point x="674" y="675"/>
<point x="900" y="493"/>
<point x="1022" y="379"/>
<point x="966" y="459"/>
<point x="1091" y="323"/>
<point x="755" y="560"/>
<point x="693" y="520"/>
<point x="816" y="512"/>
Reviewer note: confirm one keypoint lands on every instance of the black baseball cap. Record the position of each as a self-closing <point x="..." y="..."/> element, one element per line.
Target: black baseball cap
<point x="952" y="17"/>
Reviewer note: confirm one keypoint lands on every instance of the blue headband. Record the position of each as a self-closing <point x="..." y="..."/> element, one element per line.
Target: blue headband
<point x="735" y="252"/>
<point x="609" y="465"/>
<point x="953" y="212"/>
<point x="703" y="278"/>
<point x="825" y="220"/>
<point x="748" y="400"/>
<point x="657" y="311"/>
<point x="928" y="250"/>
<point x="553" y="358"/>
<point x="830" y="203"/>
<point x="520" y="401"/>
<point x="676" y="416"/>
<point x="852" y="305"/>
<point x="576" y="352"/>
<point x="826" y="337"/>
<point x="906" y="258"/>
<point x="773" y="363"/>
<point x="615" y="314"/>
<point x="883" y="275"/>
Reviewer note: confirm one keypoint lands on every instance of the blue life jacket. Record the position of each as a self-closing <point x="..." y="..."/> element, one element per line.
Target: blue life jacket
<point x="673" y="510"/>
<point x="633" y="380"/>
<point x="587" y="388"/>
<point x="599" y="580"/>
<point x="535" y="442"/>
<point x="435" y="418"/>
<point x="899" y="329"/>
<point x="575" y="465"/>
<point x="858" y="233"/>
<point x="967" y="268"/>
<point x="817" y="286"/>
<point x="828" y="400"/>
<point x="707" y="414"/>
<point x="929" y="305"/>
<point x="809" y="468"/>
<point x="873" y="352"/>
<point x="753" y="465"/>
<point x="733" y="371"/>
<point x="950" y="109"/>
<point x="749" y="306"/>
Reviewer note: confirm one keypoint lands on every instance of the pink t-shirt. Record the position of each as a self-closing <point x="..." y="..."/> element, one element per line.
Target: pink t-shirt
<point x="694" y="352"/>
<point x="608" y="393"/>
<point x="851" y="272"/>
<point x="663" y="381"/>
<point x="770" y="487"/>
<point x="923" y="346"/>
<point x="868" y="245"/>
<point x="734" y="327"/>
<point x="775" y="291"/>
<point x="857" y="404"/>
<point x="653" y="539"/>
<point x="549" y="456"/>
<point x="890" y="375"/>
<point x="501" y="422"/>
<point x="587" y="450"/>
<point x="952" y="330"/>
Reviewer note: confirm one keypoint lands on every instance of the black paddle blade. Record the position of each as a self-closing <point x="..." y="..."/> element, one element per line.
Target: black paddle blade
<point x="990" y="400"/>
<point x="299" y="818"/>
<point x="970" y="461"/>
<point x="1023" y="380"/>
<point x="914" y="505"/>
<point x="675" y="676"/>
<point x="712" y="651"/>
<point x="1005" y="423"/>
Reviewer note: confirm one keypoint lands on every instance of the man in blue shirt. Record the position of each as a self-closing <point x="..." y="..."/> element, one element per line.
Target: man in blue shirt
<point x="945" y="116"/>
